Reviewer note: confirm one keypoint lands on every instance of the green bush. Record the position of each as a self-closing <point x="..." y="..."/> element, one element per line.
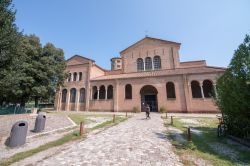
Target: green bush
<point x="136" y="110"/>
<point x="233" y="92"/>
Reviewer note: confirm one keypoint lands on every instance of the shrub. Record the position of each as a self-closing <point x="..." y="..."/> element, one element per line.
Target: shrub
<point x="136" y="110"/>
<point x="233" y="92"/>
<point x="163" y="110"/>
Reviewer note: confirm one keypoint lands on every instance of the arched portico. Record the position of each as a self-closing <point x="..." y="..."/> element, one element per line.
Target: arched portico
<point x="149" y="96"/>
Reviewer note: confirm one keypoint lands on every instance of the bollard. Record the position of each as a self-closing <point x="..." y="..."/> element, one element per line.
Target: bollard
<point x="114" y="118"/>
<point x="126" y="114"/>
<point x="189" y="137"/>
<point x="172" y="121"/>
<point x="81" y="128"/>
<point x="166" y="115"/>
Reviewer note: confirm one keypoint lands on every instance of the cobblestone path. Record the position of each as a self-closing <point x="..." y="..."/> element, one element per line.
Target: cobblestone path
<point x="135" y="142"/>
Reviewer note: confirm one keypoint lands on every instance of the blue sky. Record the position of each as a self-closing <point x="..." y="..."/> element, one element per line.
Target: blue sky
<point x="99" y="29"/>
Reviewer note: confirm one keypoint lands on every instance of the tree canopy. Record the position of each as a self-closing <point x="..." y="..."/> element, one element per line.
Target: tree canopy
<point x="233" y="89"/>
<point x="28" y="70"/>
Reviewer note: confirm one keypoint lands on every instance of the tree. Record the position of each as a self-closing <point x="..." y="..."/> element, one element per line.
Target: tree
<point x="45" y="66"/>
<point x="9" y="44"/>
<point x="233" y="89"/>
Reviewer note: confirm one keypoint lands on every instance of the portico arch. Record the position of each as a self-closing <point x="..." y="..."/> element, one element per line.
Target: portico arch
<point x="149" y="96"/>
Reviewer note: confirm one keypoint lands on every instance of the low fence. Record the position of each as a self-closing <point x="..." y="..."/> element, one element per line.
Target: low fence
<point x="7" y="110"/>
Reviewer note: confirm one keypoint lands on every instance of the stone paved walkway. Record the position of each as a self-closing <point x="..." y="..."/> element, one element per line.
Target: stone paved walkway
<point x="134" y="142"/>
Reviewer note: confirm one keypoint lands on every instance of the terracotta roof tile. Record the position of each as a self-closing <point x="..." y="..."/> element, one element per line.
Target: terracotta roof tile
<point x="178" y="71"/>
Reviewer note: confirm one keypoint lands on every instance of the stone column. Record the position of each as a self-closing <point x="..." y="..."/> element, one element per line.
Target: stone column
<point x="59" y="99"/>
<point x="67" y="100"/>
<point x="144" y="65"/>
<point x="186" y="87"/>
<point x="153" y="64"/>
<point x="115" y="96"/>
<point x="106" y="93"/>
<point x="98" y="92"/>
<point x="202" y="93"/>
<point x="77" y="99"/>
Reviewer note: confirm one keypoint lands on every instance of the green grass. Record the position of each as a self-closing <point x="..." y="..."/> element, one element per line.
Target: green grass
<point x="78" y="118"/>
<point x="201" y="144"/>
<point x="70" y="137"/>
<point x="22" y="155"/>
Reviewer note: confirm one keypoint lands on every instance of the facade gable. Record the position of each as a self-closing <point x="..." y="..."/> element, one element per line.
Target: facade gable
<point x="149" y="42"/>
<point x="78" y="60"/>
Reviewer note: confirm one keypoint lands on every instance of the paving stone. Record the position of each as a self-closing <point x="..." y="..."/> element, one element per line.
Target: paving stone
<point x="135" y="142"/>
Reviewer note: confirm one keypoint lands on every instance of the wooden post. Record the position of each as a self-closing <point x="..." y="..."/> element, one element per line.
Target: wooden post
<point x="81" y="128"/>
<point x="114" y="118"/>
<point x="172" y="121"/>
<point x="189" y="137"/>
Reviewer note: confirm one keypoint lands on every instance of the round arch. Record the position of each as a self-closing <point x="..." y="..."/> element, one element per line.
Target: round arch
<point x="149" y="96"/>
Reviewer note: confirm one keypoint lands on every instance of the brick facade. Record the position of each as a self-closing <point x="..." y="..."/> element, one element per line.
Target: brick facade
<point x="153" y="73"/>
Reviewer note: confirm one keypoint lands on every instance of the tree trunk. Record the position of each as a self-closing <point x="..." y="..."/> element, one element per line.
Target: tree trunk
<point x="36" y="102"/>
<point x="22" y="104"/>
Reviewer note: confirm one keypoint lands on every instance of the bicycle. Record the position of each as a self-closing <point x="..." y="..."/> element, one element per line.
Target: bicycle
<point x="222" y="128"/>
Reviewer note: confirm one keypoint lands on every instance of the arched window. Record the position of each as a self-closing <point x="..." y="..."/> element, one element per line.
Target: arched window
<point x="82" y="95"/>
<point x="148" y="63"/>
<point x="196" y="90"/>
<point x="73" y="95"/>
<point x="140" y="65"/>
<point x="110" y="92"/>
<point x="102" y="92"/>
<point x="170" y="90"/>
<point x="69" y="78"/>
<point x="74" y="76"/>
<point x="208" y="89"/>
<point x="94" y="93"/>
<point x="64" y="95"/>
<point x="80" y="76"/>
<point x="157" y="62"/>
<point x="128" y="91"/>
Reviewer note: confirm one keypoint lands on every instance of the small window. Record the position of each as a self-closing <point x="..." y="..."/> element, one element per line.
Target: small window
<point x="157" y="62"/>
<point x="148" y="63"/>
<point x="74" y="76"/>
<point x="80" y="76"/>
<point x="170" y="90"/>
<point x="73" y="95"/>
<point x="208" y="89"/>
<point x="128" y="91"/>
<point x="94" y="93"/>
<point x="82" y="95"/>
<point x="69" y="78"/>
<point x="64" y="95"/>
<point x="102" y="92"/>
<point x="118" y="66"/>
<point x="196" y="90"/>
<point x="140" y="64"/>
<point x="110" y="92"/>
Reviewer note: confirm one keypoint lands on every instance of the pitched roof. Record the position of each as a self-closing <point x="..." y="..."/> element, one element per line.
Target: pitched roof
<point x="167" y="72"/>
<point x="151" y="38"/>
<point x="80" y="57"/>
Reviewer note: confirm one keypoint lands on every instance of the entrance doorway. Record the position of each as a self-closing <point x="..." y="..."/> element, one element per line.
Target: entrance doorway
<point x="149" y="96"/>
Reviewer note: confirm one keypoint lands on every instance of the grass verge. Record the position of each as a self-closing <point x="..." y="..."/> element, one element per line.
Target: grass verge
<point x="70" y="137"/>
<point x="206" y="145"/>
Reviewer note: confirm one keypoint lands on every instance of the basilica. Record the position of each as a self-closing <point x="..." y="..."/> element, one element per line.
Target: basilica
<point x="149" y="71"/>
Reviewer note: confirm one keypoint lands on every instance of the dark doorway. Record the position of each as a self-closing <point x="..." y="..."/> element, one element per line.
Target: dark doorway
<point x="149" y="96"/>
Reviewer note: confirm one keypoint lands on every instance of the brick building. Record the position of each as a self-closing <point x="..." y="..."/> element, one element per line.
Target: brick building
<point x="148" y="71"/>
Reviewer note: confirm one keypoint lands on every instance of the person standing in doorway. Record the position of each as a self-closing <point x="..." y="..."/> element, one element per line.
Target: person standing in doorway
<point x="147" y="111"/>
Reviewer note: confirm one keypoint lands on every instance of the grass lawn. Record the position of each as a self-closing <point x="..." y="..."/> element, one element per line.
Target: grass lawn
<point x="77" y="118"/>
<point x="205" y="143"/>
